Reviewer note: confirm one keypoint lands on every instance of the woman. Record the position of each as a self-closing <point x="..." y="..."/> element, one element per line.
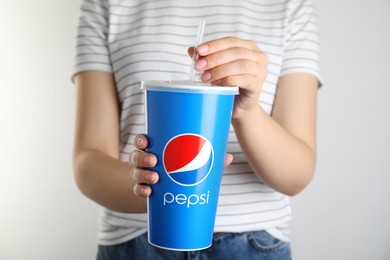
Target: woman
<point x="268" y="49"/>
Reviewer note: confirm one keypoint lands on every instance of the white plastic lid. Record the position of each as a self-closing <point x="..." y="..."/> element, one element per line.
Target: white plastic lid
<point x="188" y="87"/>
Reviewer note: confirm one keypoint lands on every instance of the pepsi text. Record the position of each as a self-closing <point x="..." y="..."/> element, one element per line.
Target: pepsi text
<point x="182" y="199"/>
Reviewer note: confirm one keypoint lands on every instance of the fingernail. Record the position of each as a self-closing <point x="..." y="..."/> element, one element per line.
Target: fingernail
<point x="138" y="141"/>
<point x="150" y="178"/>
<point x="149" y="160"/>
<point x="200" y="64"/>
<point x="143" y="191"/>
<point x="206" y="76"/>
<point x="202" y="48"/>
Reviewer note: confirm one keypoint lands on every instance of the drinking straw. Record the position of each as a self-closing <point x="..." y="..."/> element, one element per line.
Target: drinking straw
<point x="195" y="54"/>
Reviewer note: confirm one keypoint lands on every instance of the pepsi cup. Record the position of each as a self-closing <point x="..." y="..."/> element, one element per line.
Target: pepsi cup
<point x="187" y="125"/>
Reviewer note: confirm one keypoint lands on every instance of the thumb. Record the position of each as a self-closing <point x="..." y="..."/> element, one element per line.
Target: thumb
<point x="228" y="159"/>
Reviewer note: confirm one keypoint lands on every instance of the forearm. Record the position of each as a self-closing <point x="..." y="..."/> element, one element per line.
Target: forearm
<point x="280" y="159"/>
<point x="107" y="181"/>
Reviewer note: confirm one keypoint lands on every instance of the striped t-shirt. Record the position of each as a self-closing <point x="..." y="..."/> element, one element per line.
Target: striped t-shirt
<point x="147" y="40"/>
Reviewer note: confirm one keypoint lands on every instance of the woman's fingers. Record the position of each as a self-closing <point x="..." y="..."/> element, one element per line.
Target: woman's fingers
<point x="227" y="56"/>
<point x="143" y="177"/>
<point x="222" y="44"/>
<point x="234" y="68"/>
<point x="140" y="160"/>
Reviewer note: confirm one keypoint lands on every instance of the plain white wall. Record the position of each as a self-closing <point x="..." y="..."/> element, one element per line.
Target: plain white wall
<point x="42" y="214"/>
<point x="343" y="214"/>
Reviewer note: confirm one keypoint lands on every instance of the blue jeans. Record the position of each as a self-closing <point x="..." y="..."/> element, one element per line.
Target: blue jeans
<point x="248" y="245"/>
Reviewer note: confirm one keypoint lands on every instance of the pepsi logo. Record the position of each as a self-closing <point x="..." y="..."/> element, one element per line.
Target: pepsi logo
<point x="188" y="159"/>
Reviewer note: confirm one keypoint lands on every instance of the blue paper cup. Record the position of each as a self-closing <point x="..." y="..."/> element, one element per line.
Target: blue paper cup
<point x="187" y="126"/>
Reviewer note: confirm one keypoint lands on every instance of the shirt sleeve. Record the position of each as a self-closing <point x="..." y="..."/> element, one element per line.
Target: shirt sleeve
<point x="302" y="46"/>
<point x="92" y="42"/>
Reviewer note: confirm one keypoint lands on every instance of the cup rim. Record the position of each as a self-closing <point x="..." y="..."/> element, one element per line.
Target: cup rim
<point x="188" y="87"/>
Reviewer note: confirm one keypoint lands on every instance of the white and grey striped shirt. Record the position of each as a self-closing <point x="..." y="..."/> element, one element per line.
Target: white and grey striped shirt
<point x="148" y="40"/>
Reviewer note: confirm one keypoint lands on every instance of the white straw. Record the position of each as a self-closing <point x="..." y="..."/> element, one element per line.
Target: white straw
<point x="194" y="57"/>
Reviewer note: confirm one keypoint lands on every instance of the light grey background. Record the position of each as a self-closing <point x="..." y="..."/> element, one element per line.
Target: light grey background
<point x="343" y="214"/>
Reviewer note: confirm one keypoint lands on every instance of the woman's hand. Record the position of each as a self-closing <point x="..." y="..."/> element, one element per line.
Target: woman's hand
<point x="233" y="61"/>
<point x="139" y="160"/>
